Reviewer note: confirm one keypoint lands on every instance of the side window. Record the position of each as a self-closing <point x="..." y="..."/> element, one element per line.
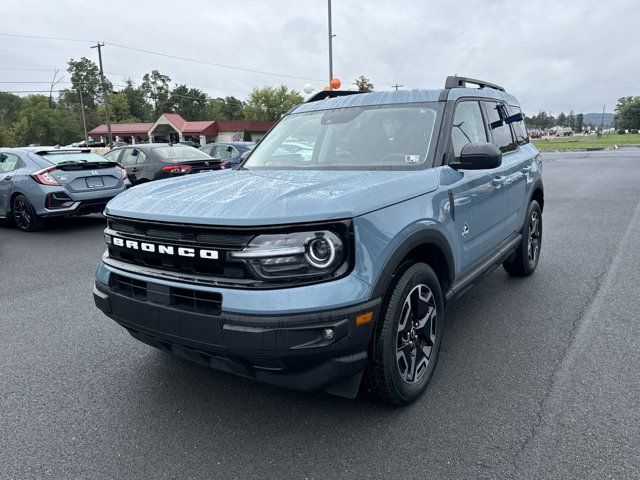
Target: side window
<point x="223" y="152"/>
<point x="129" y="158"/>
<point x="9" y="162"/>
<point x="112" y="155"/>
<point x="519" y="128"/>
<point x="142" y="157"/>
<point x="234" y="153"/>
<point x="468" y="126"/>
<point x="500" y="130"/>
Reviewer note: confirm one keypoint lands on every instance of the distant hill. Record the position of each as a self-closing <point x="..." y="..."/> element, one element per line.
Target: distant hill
<point x="596" y="118"/>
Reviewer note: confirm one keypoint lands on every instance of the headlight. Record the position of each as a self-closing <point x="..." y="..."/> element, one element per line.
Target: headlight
<point x="293" y="255"/>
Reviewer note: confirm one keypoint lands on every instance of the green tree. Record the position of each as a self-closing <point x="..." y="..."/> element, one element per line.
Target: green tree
<point x="628" y="113"/>
<point x="155" y="86"/>
<point x="270" y="103"/>
<point x="38" y="123"/>
<point x="228" y="108"/>
<point x="139" y="108"/>
<point x="579" y="122"/>
<point x="562" y="120"/>
<point x="7" y="138"/>
<point x="118" y="109"/>
<point x="191" y="103"/>
<point x="9" y="108"/>
<point x="571" y="120"/>
<point x="364" y="84"/>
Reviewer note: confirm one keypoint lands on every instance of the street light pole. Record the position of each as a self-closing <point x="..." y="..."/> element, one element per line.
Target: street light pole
<point x="84" y="121"/>
<point x="104" y="91"/>
<point x="330" y="46"/>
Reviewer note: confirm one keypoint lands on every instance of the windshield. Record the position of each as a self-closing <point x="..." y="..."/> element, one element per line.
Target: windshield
<point x="388" y="137"/>
<point x="61" y="156"/>
<point x="179" y="152"/>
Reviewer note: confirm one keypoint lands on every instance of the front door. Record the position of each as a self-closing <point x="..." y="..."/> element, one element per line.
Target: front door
<point x="480" y="200"/>
<point x="9" y="163"/>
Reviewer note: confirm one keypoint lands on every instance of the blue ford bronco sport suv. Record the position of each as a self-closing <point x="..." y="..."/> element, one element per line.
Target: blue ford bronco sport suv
<point x="317" y="272"/>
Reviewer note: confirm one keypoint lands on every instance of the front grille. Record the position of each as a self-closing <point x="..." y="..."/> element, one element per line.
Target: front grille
<point x="218" y="239"/>
<point x="191" y="300"/>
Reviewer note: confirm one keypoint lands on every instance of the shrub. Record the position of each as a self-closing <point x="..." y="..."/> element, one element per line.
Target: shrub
<point x="633" y="130"/>
<point x="622" y="131"/>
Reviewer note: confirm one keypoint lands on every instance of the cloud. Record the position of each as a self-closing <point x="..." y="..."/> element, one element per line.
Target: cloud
<point x="554" y="56"/>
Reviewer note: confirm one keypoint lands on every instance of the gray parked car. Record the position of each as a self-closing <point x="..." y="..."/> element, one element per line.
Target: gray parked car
<point x="43" y="182"/>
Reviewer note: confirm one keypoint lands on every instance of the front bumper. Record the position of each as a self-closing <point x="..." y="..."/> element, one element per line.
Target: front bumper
<point x="288" y="350"/>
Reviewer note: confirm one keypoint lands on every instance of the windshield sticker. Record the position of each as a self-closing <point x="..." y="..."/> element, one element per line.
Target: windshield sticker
<point x="412" y="159"/>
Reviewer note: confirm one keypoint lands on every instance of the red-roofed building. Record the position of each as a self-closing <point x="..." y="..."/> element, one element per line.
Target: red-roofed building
<point x="171" y="127"/>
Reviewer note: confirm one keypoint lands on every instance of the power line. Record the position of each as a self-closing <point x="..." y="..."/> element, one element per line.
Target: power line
<point x="167" y="55"/>
<point x="204" y="62"/>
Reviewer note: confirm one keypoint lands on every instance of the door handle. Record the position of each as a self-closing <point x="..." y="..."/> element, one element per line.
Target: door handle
<point x="498" y="181"/>
<point x="526" y="170"/>
<point x="135" y="169"/>
<point x="8" y="177"/>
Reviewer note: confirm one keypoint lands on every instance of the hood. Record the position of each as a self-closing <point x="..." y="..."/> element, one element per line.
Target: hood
<point x="269" y="197"/>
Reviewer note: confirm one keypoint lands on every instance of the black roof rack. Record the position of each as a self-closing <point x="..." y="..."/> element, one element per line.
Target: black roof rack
<point x="331" y="94"/>
<point x="454" y="81"/>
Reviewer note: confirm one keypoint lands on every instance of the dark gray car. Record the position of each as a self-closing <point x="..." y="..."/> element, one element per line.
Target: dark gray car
<point x="155" y="161"/>
<point x="39" y="182"/>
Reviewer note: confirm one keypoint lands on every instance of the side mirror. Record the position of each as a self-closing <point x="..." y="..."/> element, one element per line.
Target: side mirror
<point x="3" y="157"/>
<point x="478" y="156"/>
<point x="229" y="148"/>
<point x="134" y="152"/>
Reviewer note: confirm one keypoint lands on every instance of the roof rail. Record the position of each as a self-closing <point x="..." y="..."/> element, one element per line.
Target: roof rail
<point x="331" y="94"/>
<point x="454" y="81"/>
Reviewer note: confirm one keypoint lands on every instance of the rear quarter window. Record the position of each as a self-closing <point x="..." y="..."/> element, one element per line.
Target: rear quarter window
<point x="519" y="128"/>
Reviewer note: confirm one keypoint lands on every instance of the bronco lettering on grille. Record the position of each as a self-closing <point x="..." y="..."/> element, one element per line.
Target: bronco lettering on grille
<point x="166" y="249"/>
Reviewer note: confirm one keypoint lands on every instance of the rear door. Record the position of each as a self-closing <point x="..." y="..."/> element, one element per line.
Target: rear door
<point x="132" y="161"/>
<point x="479" y="197"/>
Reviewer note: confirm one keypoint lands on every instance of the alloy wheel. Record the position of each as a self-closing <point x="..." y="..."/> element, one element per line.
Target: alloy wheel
<point x="416" y="334"/>
<point x="22" y="214"/>
<point x="533" y="248"/>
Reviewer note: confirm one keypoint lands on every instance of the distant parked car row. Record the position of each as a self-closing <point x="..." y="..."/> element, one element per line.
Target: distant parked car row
<point x="41" y="182"/>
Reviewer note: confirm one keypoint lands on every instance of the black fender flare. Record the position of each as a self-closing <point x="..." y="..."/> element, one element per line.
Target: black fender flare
<point x="538" y="185"/>
<point x="424" y="237"/>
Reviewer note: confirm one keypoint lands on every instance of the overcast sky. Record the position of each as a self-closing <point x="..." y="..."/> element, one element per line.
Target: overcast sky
<point x="555" y="55"/>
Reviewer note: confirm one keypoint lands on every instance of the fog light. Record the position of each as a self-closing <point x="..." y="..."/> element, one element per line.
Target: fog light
<point x="327" y="334"/>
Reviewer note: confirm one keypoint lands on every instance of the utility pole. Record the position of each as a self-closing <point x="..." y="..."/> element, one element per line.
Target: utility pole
<point x="396" y="86"/>
<point x="84" y="121"/>
<point x="104" y="91"/>
<point x="602" y="119"/>
<point x="330" y="46"/>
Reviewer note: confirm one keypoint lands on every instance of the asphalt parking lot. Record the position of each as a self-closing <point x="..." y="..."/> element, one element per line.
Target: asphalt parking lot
<point x="537" y="377"/>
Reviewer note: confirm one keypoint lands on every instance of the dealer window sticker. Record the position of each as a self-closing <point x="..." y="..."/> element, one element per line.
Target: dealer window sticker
<point x="412" y="159"/>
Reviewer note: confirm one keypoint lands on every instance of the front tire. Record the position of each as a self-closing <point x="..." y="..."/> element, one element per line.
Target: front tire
<point x="527" y="255"/>
<point x="407" y="339"/>
<point x="24" y="215"/>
